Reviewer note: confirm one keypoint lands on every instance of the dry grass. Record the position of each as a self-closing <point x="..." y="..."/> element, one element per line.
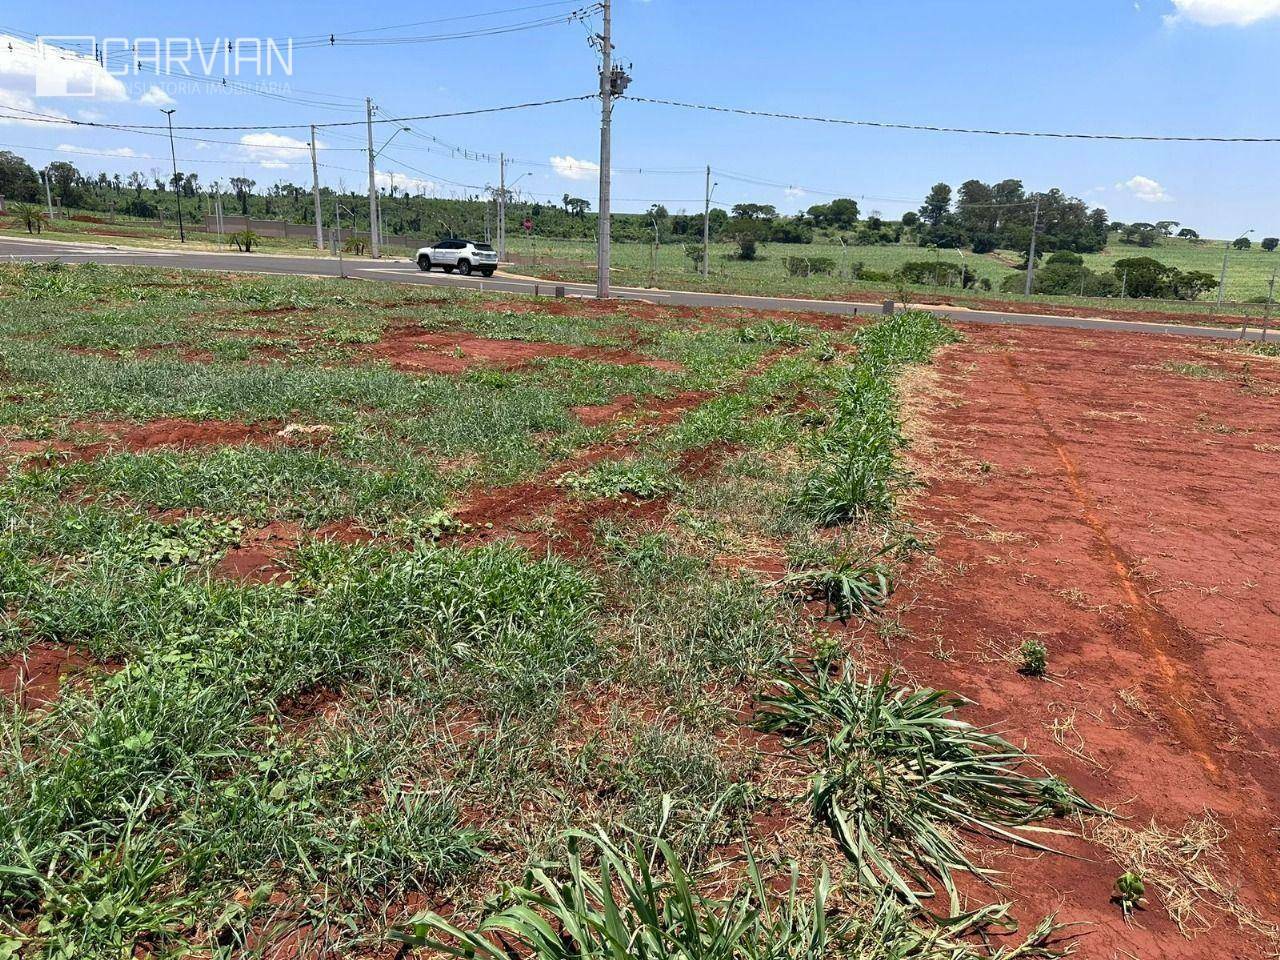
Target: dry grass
<point x="1186" y="866"/>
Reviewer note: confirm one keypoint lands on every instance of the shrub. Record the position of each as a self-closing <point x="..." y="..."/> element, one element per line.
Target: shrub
<point x="243" y="240"/>
<point x="1066" y="257"/>
<point x="934" y="273"/>
<point x="1035" y="657"/>
<point x="809" y="266"/>
<point x="1270" y="243"/>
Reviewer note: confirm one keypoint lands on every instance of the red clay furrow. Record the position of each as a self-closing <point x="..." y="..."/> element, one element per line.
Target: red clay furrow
<point x="1086" y="493"/>
<point x="1159" y="632"/>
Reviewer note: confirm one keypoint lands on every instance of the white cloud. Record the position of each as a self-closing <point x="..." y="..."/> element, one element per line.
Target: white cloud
<point x="1220" y="13"/>
<point x="573" y="169"/>
<point x="156" y="97"/>
<point x="13" y="100"/>
<point x="45" y="71"/>
<point x="275" y="151"/>
<point x="1145" y="189"/>
<point x="403" y="183"/>
<point x="104" y="151"/>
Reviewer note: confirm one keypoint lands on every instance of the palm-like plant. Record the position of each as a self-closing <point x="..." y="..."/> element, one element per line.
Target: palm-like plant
<point x="638" y="903"/>
<point x="899" y="776"/>
<point x="31" y="216"/>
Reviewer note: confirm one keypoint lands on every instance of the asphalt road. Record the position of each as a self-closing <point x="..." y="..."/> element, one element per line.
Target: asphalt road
<point x="403" y="271"/>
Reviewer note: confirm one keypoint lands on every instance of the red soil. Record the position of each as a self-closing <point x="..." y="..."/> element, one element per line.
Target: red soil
<point x="540" y="516"/>
<point x="593" y="415"/>
<point x="34" y="676"/>
<point x="261" y="555"/>
<point x="166" y="432"/>
<point x="1118" y="520"/>
<point x="415" y="350"/>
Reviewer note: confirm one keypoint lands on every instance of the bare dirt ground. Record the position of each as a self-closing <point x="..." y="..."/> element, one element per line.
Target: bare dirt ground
<point x="1085" y="493"/>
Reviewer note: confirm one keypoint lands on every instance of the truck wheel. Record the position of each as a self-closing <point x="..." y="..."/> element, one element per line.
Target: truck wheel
<point x="424" y="264"/>
<point x="464" y="267"/>
<point x="487" y="271"/>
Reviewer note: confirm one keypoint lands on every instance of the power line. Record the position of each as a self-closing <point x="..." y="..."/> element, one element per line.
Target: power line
<point x="34" y="117"/>
<point x="334" y="40"/>
<point x="1150" y="138"/>
<point x="418" y="23"/>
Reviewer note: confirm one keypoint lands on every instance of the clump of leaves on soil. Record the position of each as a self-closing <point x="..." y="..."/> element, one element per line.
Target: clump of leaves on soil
<point x="779" y="332"/>
<point x="849" y="584"/>
<point x="1035" y="657"/>
<point x="897" y="774"/>
<point x="641" y="900"/>
<point x="643" y="479"/>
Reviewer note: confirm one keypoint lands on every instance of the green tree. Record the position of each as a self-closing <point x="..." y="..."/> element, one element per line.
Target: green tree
<point x="1144" y="276"/>
<point x="747" y="233"/>
<point x="1186" y="233"/>
<point x="975" y="205"/>
<point x="842" y="213"/>
<point x="243" y="189"/>
<point x="18" y="181"/>
<point x="1242" y="243"/>
<point x="1270" y="243"/>
<point x="66" y="179"/>
<point x="577" y="206"/>
<point x="754" y="211"/>
<point x="936" y="205"/>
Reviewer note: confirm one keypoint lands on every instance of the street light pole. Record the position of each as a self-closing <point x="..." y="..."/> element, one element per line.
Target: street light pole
<point x="706" y="224"/>
<point x="48" y="194"/>
<point x="177" y="188"/>
<point x="1031" y="254"/>
<point x="315" y="189"/>
<point x="375" y="249"/>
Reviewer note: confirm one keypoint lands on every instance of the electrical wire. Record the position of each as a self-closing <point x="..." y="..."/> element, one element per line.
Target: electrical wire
<point x="419" y="23"/>
<point x="335" y="40"/>
<point x="34" y="117"/>
<point x="927" y="128"/>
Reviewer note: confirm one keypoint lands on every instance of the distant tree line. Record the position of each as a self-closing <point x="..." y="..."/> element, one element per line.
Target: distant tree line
<point x="1001" y="216"/>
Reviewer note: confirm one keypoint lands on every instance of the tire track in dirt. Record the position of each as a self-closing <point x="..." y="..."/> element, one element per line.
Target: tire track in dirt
<point x="1160" y="632"/>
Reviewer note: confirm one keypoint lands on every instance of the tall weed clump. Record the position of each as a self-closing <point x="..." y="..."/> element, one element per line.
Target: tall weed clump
<point x="857" y="473"/>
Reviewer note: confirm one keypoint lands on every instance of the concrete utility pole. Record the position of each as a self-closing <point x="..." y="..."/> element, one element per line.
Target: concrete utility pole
<point x="612" y="83"/>
<point x="375" y="248"/>
<point x="706" y="225"/>
<point x="177" y="187"/>
<point x="502" y="207"/>
<point x="1031" y="255"/>
<point x="315" y="189"/>
<point x="48" y="194"/>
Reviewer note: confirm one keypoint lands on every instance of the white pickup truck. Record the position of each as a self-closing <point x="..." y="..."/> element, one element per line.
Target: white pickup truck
<point x="461" y="255"/>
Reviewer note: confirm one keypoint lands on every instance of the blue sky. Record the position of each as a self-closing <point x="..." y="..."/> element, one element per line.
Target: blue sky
<point x="1198" y="67"/>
